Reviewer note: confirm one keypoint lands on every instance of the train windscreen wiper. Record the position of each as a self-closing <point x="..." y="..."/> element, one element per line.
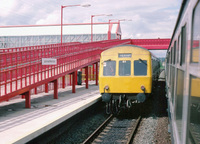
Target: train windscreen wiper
<point x="108" y="60"/>
<point x="142" y="61"/>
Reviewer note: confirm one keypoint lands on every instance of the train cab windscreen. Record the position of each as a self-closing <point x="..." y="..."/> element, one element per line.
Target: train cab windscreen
<point x="140" y="67"/>
<point x="124" y="68"/>
<point x="109" y="68"/>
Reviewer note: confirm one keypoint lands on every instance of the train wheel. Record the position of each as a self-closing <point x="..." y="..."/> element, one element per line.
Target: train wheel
<point x="128" y="104"/>
<point x="115" y="109"/>
<point x="109" y="107"/>
<point x="120" y="101"/>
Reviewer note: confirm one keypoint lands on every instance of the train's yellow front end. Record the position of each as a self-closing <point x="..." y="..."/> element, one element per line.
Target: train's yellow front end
<point x="125" y="85"/>
<point x="125" y="72"/>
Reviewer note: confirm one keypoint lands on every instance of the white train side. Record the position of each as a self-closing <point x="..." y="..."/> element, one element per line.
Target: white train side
<point x="183" y="75"/>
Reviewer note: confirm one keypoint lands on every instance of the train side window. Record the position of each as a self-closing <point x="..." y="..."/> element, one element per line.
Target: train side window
<point x="168" y="65"/>
<point x="194" y="124"/>
<point x="171" y="56"/>
<point x="183" y="44"/>
<point x="140" y="67"/>
<point x="195" y="35"/>
<point x="179" y="101"/>
<point x="167" y="60"/>
<point x="174" y="60"/>
<point x="109" y="68"/>
<point x="124" y="68"/>
<point x="172" y="80"/>
<point x="178" y="49"/>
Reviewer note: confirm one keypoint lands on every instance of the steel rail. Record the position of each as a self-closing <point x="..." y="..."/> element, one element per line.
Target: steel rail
<point x="96" y="133"/>
<point x="98" y="130"/>
<point x="133" y="132"/>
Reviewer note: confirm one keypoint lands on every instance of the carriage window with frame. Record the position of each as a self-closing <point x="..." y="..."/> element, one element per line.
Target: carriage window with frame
<point x="124" y="68"/>
<point x="195" y="35"/>
<point x="194" y="124"/>
<point x="178" y="98"/>
<point x="109" y="68"/>
<point x="140" y="67"/>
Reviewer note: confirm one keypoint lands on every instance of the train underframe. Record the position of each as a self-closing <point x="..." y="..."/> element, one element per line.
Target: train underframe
<point x="117" y="102"/>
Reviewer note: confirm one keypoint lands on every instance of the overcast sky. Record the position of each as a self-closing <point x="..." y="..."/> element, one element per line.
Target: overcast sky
<point x="150" y="18"/>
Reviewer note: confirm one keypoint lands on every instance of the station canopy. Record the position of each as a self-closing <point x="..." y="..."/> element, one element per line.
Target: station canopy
<point x="19" y="36"/>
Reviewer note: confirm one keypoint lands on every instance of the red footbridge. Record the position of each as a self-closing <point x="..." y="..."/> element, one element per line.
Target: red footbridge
<point x="22" y="72"/>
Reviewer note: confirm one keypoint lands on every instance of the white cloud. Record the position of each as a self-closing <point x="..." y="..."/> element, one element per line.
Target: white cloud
<point x="6" y="7"/>
<point x="49" y="19"/>
<point x="150" y="19"/>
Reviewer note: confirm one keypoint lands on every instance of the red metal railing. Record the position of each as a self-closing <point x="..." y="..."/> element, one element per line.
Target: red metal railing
<point x="21" y="69"/>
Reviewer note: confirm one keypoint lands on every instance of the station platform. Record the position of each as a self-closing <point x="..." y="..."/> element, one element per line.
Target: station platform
<point x="162" y="75"/>
<point x="20" y="125"/>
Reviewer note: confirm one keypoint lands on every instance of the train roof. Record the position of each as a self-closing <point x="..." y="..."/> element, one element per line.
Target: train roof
<point x="125" y="48"/>
<point x="183" y="5"/>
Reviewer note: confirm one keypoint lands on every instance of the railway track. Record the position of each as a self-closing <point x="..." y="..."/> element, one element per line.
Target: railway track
<point x="114" y="130"/>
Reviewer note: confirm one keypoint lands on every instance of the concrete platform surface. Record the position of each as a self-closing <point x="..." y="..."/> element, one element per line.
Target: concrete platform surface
<point x="20" y="125"/>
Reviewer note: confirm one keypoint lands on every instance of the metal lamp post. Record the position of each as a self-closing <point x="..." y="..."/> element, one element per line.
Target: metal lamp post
<point x="83" y="5"/>
<point x="92" y="23"/>
<point x="109" y="27"/>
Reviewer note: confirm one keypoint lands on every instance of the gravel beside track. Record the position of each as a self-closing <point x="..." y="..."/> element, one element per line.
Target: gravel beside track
<point x="154" y="126"/>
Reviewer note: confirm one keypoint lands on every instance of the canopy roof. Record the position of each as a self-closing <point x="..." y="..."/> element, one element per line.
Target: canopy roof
<point x="68" y="29"/>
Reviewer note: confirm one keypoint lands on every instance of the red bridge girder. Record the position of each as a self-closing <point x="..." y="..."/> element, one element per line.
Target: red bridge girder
<point x="152" y="44"/>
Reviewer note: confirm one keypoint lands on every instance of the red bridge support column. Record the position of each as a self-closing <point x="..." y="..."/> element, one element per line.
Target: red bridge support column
<point x="36" y="90"/>
<point x="27" y="99"/>
<point x="76" y="78"/>
<point x="97" y="73"/>
<point x="46" y="88"/>
<point x="86" y="77"/>
<point x="93" y="71"/>
<point x="74" y="82"/>
<point x="23" y="96"/>
<point x="63" y="82"/>
<point x="55" y="89"/>
<point x="70" y="79"/>
<point x="90" y="73"/>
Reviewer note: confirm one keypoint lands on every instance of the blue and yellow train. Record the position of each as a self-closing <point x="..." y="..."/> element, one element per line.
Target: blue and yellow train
<point x="126" y="76"/>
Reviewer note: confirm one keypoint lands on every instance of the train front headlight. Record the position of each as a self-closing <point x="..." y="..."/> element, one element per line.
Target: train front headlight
<point x="143" y="88"/>
<point x="106" y="87"/>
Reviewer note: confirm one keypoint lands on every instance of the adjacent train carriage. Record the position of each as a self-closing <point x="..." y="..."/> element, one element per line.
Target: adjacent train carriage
<point x="183" y="75"/>
<point x="126" y="75"/>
